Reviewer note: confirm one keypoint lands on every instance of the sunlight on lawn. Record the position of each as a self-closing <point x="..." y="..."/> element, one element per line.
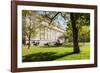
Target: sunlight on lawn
<point x="37" y="53"/>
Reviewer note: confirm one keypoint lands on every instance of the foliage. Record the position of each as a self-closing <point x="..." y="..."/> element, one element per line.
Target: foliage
<point x="84" y="34"/>
<point x="82" y="24"/>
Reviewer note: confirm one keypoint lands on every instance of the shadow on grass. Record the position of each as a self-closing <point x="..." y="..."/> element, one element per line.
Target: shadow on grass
<point x="48" y="56"/>
<point x="65" y="46"/>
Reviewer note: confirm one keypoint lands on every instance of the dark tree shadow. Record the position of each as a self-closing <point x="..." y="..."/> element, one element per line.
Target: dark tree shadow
<point x="48" y="56"/>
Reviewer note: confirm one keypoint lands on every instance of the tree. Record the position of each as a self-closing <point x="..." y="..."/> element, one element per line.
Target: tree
<point x="84" y="34"/>
<point x="77" y="21"/>
<point x="25" y="13"/>
<point x="29" y="25"/>
<point x="75" y="33"/>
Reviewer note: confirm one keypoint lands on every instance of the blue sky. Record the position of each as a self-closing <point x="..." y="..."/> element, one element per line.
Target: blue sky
<point x="59" y="19"/>
<point x="62" y="22"/>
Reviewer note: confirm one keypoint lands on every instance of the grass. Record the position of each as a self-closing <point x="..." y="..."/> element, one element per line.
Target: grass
<point x="40" y="53"/>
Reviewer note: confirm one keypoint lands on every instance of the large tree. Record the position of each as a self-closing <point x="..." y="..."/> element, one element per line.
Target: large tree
<point x="77" y="21"/>
<point x="73" y="17"/>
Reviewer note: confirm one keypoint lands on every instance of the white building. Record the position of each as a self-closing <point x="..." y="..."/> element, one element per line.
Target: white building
<point x="49" y="33"/>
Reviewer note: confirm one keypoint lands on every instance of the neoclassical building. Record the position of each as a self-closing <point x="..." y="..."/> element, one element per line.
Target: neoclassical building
<point x="48" y="33"/>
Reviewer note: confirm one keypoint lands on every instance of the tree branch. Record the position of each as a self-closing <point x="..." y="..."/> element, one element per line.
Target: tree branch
<point x="54" y="17"/>
<point x="51" y="19"/>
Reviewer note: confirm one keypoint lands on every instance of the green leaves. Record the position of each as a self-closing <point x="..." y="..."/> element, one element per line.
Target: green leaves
<point x="84" y="34"/>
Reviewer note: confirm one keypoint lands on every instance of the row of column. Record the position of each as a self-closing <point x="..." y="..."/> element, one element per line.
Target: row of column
<point x="48" y="34"/>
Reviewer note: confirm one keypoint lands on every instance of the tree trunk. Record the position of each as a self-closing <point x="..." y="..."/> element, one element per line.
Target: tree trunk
<point x="29" y="38"/>
<point x="75" y="33"/>
<point x="25" y="29"/>
<point x="29" y="42"/>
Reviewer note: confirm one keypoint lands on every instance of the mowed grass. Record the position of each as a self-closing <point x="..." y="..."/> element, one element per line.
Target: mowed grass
<point x="40" y="53"/>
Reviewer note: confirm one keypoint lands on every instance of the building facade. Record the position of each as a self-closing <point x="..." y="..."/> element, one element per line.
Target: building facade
<point x="45" y="34"/>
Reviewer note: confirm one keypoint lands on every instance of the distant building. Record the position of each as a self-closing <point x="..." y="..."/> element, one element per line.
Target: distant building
<point x="49" y="33"/>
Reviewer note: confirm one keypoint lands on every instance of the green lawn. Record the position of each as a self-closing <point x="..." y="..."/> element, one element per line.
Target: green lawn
<point x="36" y="53"/>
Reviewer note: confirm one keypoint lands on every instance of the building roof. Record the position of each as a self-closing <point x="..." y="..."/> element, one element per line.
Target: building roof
<point x="54" y="27"/>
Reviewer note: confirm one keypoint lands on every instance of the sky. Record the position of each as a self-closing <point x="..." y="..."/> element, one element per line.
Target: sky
<point x="59" y="19"/>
